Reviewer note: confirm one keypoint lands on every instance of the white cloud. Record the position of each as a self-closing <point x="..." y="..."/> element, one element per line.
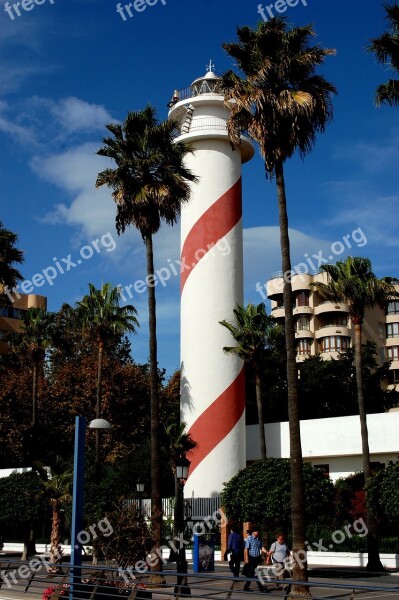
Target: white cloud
<point x="20" y="134"/>
<point x="76" y="115"/>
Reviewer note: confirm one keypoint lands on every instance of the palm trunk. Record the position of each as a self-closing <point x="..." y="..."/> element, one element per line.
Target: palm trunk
<point x="98" y="405"/>
<point x="300" y="572"/>
<point x="177" y="511"/>
<point x="35" y="380"/>
<point x="156" y="501"/>
<point x="55" y="538"/>
<point x="262" y="437"/>
<point x="373" y="558"/>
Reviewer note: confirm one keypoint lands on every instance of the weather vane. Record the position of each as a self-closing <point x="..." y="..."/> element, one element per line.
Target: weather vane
<point x="210" y="67"/>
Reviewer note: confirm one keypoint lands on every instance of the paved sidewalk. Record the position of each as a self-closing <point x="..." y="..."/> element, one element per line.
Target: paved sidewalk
<point x="325" y="583"/>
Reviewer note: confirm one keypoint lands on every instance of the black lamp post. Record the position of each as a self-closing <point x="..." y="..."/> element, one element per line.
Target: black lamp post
<point x="182" y="468"/>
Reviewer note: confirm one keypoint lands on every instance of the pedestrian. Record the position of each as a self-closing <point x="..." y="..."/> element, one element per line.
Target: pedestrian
<point x="279" y="552"/>
<point x="235" y="549"/>
<point x="252" y="558"/>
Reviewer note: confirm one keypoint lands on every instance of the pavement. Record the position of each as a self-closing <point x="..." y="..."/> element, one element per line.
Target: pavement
<point x="325" y="582"/>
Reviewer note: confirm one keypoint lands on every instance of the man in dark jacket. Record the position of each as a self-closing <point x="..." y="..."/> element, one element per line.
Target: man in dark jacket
<point x="235" y="549"/>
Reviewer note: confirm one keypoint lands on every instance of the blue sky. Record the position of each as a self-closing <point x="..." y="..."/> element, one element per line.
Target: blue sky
<point x="71" y="66"/>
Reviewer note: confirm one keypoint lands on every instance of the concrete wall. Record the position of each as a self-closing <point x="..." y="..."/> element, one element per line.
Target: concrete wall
<point x="334" y="441"/>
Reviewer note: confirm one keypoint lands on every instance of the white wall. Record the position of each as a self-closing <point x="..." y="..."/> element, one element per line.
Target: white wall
<point x="335" y="441"/>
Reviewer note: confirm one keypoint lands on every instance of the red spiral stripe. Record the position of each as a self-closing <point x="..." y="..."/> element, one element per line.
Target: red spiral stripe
<point x="216" y="422"/>
<point x="211" y="227"/>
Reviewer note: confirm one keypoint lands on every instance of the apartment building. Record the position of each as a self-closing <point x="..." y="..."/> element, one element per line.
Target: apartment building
<point x="323" y="327"/>
<point x="11" y="316"/>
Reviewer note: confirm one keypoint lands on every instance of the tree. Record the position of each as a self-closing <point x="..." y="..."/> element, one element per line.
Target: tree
<point x="261" y="493"/>
<point x="382" y="493"/>
<point x="149" y="185"/>
<point x="282" y="104"/>
<point x="9" y="255"/>
<point x="101" y="317"/>
<point x="35" y="339"/>
<point x="56" y="490"/>
<point x="353" y="282"/>
<point x="252" y="330"/>
<point x="327" y="388"/>
<point x="386" y="50"/>
<point x="22" y="504"/>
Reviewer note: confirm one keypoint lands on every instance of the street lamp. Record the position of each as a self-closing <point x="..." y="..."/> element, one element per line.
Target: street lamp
<point x="182" y="468"/>
<point x="77" y="497"/>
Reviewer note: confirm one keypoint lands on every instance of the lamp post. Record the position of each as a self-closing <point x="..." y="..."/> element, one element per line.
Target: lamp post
<point x="182" y="468"/>
<point x="77" y="498"/>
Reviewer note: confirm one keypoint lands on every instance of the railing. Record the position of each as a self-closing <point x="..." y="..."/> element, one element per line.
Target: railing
<point x="206" y="87"/>
<point x="200" y="123"/>
<point x="101" y="582"/>
<point x="195" y="508"/>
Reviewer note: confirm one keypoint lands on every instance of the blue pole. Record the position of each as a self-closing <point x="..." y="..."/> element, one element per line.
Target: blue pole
<point x="196" y="553"/>
<point x="77" y="503"/>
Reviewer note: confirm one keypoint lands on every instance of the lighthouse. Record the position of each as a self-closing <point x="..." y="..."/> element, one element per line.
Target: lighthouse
<point x="212" y="383"/>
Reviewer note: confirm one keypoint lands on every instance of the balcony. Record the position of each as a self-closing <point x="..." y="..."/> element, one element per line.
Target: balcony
<point x="278" y="312"/>
<point x="326" y="307"/>
<point x="304" y="334"/>
<point x="303" y="310"/>
<point x="329" y="330"/>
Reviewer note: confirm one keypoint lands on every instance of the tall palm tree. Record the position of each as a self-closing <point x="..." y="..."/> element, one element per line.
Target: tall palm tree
<point x="35" y="338"/>
<point x="386" y="50"/>
<point x="253" y="330"/>
<point x="9" y="254"/>
<point x="101" y="317"/>
<point x="149" y="185"/>
<point x="282" y="104"/>
<point x="352" y="281"/>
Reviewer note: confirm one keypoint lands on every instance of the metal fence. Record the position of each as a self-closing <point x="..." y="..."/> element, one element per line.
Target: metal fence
<point x="18" y="581"/>
<point x="195" y="509"/>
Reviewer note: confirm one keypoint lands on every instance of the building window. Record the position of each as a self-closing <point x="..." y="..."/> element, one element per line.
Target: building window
<point x="336" y="321"/>
<point x="302" y="298"/>
<point x="392" y="330"/>
<point x="392" y="352"/>
<point x="377" y="466"/>
<point x="10" y="312"/>
<point x="325" y="468"/>
<point x="302" y="323"/>
<point x="381" y="331"/>
<point x="280" y="302"/>
<point x="334" y="343"/>
<point x="393" y="308"/>
<point x="393" y="376"/>
<point x="304" y="346"/>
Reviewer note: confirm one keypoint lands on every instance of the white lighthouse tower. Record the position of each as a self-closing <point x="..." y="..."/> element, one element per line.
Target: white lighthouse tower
<point x="212" y="383"/>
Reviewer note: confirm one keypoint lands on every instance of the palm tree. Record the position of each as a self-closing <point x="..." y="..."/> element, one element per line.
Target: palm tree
<point x="282" y="104"/>
<point x="253" y="330"/>
<point x="100" y="317"/>
<point x="352" y="281"/>
<point x="386" y="50"/>
<point x="57" y="489"/>
<point x="149" y="185"/>
<point x="9" y="255"/>
<point x="35" y="338"/>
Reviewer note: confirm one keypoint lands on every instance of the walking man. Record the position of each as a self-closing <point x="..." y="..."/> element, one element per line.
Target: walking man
<point x="279" y="553"/>
<point x="253" y="557"/>
<point x="234" y="548"/>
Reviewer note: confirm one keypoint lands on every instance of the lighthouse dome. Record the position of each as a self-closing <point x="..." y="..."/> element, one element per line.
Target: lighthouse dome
<point x="206" y="84"/>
